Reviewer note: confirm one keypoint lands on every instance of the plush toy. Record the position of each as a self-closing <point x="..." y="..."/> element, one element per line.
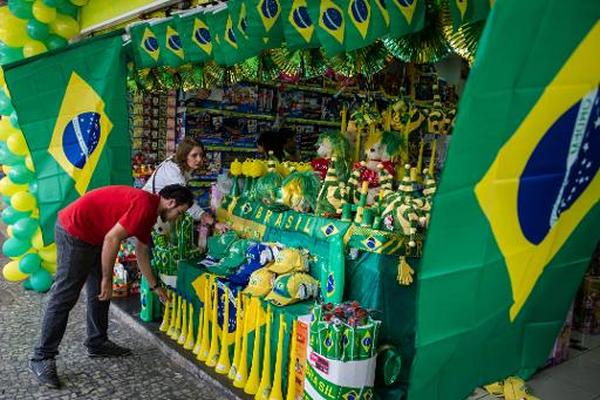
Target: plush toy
<point x="380" y="149"/>
<point x="332" y="145"/>
<point x="332" y="193"/>
<point x="299" y="191"/>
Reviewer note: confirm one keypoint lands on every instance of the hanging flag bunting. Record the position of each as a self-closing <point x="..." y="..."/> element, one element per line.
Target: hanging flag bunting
<point x="298" y="27"/>
<point x="468" y="11"/>
<point x="329" y="17"/>
<point x="363" y="25"/>
<point x="406" y="16"/>
<point x="264" y="20"/>
<point x="516" y="220"/>
<point x="171" y="49"/>
<point x="146" y="50"/>
<point x="250" y="45"/>
<point x="382" y="9"/>
<point x="73" y="114"/>
<point x="225" y="43"/>
<point x="195" y="37"/>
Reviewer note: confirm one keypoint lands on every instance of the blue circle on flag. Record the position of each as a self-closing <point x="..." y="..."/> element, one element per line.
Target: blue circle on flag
<point x="382" y="4"/>
<point x="80" y="138"/>
<point x="231" y="35"/>
<point x="243" y="25"/>
<point x="269" y="8"/>
<point x="202" y="35"/>
<point x="360" y="11"/>
<point x="151" y="44"/>
<point x="301" y="17"/>
<point x="330" y="283"/>
<point x="405" y="3"/>
<point x="175" y="42"/>
<point x="560" y="168"/>
<point x="332" y="19"/>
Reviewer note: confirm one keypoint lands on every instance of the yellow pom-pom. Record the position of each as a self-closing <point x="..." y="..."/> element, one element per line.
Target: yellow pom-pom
<point x="236" y="168"/>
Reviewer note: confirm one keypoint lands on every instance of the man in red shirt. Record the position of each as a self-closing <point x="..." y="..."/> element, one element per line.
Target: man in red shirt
<point x="88" y="234"/>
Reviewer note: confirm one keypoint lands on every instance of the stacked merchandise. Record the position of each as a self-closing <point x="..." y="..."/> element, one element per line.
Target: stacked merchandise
<point x="587" y="304"/>
<point x="126" y="274"/>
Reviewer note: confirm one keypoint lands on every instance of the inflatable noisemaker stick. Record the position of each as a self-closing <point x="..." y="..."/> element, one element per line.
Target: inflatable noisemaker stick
<point x="420" y="159"/>
<point x="164" y="326"/>
<point x="265" y="381"/>
<point x="213" y="352"/>
<point x="432" y="159"/>
<point x="177" y="330"/>
<point x="189" y="340"/>
<point x="362" y="203"/>
<point x="205" y="344"/>
<point x="241" y="375"/>
<point x="291" y="383"/>
<point x="252" y="384"/>
<point x="238" y="337"/>
<point x="174" y="315"/>
<point x="276" y="393"/>
<point x="387" y="123"/>
<point x="198" y="344"/>
<point x="184" y="324"/>
<point x="224" y="362"/>
<point x="344" y="113"/>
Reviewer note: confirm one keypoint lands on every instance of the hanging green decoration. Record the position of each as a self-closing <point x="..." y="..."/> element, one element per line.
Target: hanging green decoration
<point x="260" y="68"/>
<point x="192" y="77"/>
<point x="426" y="46"/>
<point x="366" y="61"/>
<point x="146" y="80"/>
<point x="168" y="78"/>
<point x="465" y="38"/>
<point x="305" y="63"/>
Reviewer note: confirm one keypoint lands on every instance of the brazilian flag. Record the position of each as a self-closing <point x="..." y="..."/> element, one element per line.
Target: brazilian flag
<point x="72" y="109"/>
<point x="196" y="37"/>
<point x="298" y="27"/>
<point x="329" y="17"/>
<point x="265" y="19"/>
<point x="250" y="45"/>
<point x="406" y="16"/>
<point x="226" y="45"/>
<point x="469" y="11"/>
<point x="145" y="45"/>
<point x="516" y="215"/>
<point x="365" y="23"/>
<point x="172" y="53"/>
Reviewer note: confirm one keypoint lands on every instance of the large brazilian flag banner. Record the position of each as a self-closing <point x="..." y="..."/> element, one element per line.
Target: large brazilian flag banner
<point x="517" y="215"/>
<point x="72" y="109"/>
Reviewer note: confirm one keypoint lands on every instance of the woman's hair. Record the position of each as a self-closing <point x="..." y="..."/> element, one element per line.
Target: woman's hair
<point x="275" y="141"/>
<point x="183" y="149"/>
<point x="179" y="193"/>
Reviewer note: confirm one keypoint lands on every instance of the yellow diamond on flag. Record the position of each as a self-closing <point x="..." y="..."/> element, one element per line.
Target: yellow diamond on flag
<point x="202" y="36"/>
<point x="80" y="132"/>
<point x="359" y="12"/>
<point x="300" y="20"/>
<point x="269" y="11"/>
<point x="173" y="42"/>
<point x="533" y="215"/>
<point x="407" y="7"/>
<point x="150" y="44"/>
<point x="371" y="243"/>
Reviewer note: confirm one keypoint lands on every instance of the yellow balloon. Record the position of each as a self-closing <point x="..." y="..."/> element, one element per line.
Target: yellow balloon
<point x="5" y="169"/>
<point x="64" y="26"/>
<point x="7" y="188"/>
<point x="79" y="3"/>
<point x="16" y="143"/>
<point x="42" y="12"/>
<point x="35" y="213"/>
<point x="33" y="48"/>
<point x="37" y="242"/>
<point x="6" y="129"/>
<point x="48" y="253"/>
<point x="11" y="272"/>
<point x="9" y="231"/>
<point x="49" y="266"/>
<point x="13" y="30"/>
<point x="29" y="163"/>
<point x="23" y="201"/>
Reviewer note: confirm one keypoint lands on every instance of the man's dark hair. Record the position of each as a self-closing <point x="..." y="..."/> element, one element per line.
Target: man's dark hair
<point x="179" y="193"/>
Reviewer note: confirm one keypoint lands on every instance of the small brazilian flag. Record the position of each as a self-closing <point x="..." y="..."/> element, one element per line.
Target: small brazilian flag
<point x="72" y="109"/>
<point x="468" y="11"/>
<point x="365" y="23"/>
<point x="195" y="37"/>
<point x="406" y="16"/>
<point x="146" y="49"/>
<point x="516" y="215"/>
<point x="226" y="47"/>
<point x="265" y="19"/>
<point x="172" y="53"/>
<point x="250" y="45"/>
<point x="329" y="17"/>
<point x="298" y="27"/>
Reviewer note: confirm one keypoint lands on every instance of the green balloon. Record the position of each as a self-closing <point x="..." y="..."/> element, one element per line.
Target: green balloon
<point x="33" y="187"/>
<point x="20" y="9"/>
<point x="69" y="9"/>
<point x="41" y="280"/>
<point x="30" y="263"/>
<point x="8" y="158"/>
<point x="6" y="107"/>
<point x="14" y="247"/>
<point x="27" y="284"/>
<point x="10" y="54"/>
<point x="55" y="42"/>
<point x="6" y="199"/>
<point x="53" y="3"/>
<point x="37" y="30"/>
<point x="10" y="215"/>
<point x="14" y="120"/>
<point x="20" y="175"/>
<point x="24" y="228"/>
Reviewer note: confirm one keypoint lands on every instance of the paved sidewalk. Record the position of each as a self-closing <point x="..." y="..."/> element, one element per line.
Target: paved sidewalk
<point x="147" y="374"/>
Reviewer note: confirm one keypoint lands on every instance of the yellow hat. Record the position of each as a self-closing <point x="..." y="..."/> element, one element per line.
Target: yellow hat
<point x="260" y="283"/>
<point x="293" y="288"/>
<point x="290" y="260"/>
